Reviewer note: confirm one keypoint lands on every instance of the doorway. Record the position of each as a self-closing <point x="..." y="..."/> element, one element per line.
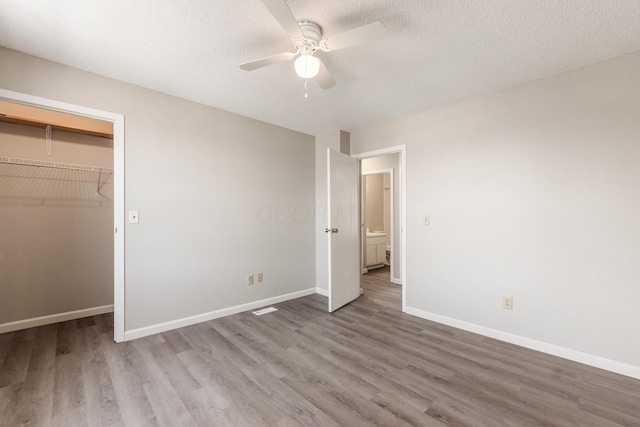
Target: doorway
<point x="378" y="220"/>
<point x="118" y="185"/>
<point x="390" y="160"/>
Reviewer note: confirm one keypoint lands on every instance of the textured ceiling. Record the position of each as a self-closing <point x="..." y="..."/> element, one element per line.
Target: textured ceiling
<point x="436" y="51"/>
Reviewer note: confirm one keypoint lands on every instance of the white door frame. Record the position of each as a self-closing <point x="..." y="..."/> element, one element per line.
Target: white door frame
<point x="402" y="151"/>
<point x="118" y="188"/>
<point x="392" y="219"/>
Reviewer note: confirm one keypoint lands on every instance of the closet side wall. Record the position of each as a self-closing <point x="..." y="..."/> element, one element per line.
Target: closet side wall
<point x="56" y="243"/>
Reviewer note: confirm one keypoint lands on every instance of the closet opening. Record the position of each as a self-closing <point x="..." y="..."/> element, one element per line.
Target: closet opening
<point x="57" y="204"/>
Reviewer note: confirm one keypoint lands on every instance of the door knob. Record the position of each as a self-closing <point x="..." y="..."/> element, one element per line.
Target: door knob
<point x="327" y="230"/>
<point x="334" y="230"/>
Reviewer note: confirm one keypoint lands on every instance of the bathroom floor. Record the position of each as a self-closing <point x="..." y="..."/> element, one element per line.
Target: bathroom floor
<point x="382" y="273"/>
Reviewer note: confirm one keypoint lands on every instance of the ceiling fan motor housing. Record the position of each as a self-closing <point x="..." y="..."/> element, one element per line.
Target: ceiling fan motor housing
<point x="311" y="31"/>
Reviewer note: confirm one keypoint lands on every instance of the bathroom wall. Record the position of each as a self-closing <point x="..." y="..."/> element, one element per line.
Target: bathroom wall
<point x="374" y="206"/>
<point x="56" y="232"/>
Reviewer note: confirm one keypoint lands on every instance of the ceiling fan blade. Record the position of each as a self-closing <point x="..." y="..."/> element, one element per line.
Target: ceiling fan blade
<point x="324" y="77"/>
<point x="283" y="15"/>
<point x="360" y="35"/>
<point x="274" y="59"/>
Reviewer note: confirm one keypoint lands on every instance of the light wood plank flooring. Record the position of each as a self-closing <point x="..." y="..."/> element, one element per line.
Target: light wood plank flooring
<point x="367" y="364"/>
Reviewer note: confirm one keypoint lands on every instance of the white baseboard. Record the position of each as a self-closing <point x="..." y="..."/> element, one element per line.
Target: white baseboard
<point x="53" y="318"/>
<point x="552" y="349"/>
<point x="204" y="317"/>
<point x="396" y="281"/>
<point x="322" y="291"/>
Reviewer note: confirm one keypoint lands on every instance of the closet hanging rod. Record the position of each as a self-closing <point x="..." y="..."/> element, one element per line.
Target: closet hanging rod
<point x="53" y="165"/>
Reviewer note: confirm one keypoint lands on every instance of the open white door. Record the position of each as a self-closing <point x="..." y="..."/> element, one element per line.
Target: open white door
<point x="343" y="228"/>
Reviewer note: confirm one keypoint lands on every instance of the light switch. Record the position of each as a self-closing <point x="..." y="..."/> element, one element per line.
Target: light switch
<point x="133" y="217"/>
<point x="426" y="220"/>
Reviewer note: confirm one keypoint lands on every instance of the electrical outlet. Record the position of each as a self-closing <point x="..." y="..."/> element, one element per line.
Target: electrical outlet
<point x="260" y="277"/>
<point x="250" y="279"/>
<point x="507" y="303"/>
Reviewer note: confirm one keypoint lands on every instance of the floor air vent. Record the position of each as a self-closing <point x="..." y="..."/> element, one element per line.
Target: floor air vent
<point x="265" y="311"/>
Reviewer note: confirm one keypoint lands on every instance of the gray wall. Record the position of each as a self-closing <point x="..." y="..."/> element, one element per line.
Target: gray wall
<point x="56" y="241"/>
<point x="532" y="193"/>
<point x="220" y="196"/>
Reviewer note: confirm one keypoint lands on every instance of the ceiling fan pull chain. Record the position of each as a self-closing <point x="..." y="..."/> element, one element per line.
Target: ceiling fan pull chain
<point x="306" y="95"/>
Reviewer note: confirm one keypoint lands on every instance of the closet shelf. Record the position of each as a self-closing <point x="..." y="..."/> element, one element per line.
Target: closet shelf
<point x="22" y="180"/>
<point x="53" y="165"/>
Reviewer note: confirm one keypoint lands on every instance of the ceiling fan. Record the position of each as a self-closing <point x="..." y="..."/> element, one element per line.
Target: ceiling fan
<point x="307" y="39"/>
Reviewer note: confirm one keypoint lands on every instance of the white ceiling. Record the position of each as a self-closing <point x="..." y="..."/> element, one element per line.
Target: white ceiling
<point x="436" y="51"/>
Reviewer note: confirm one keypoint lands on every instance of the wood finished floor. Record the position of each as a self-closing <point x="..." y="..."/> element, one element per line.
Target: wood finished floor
<point x="366" y="364"/>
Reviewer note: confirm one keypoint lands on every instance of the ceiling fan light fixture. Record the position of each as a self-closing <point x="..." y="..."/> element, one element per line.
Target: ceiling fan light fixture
<point x="307" y="66"/>
<point x="307" y="39"/>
